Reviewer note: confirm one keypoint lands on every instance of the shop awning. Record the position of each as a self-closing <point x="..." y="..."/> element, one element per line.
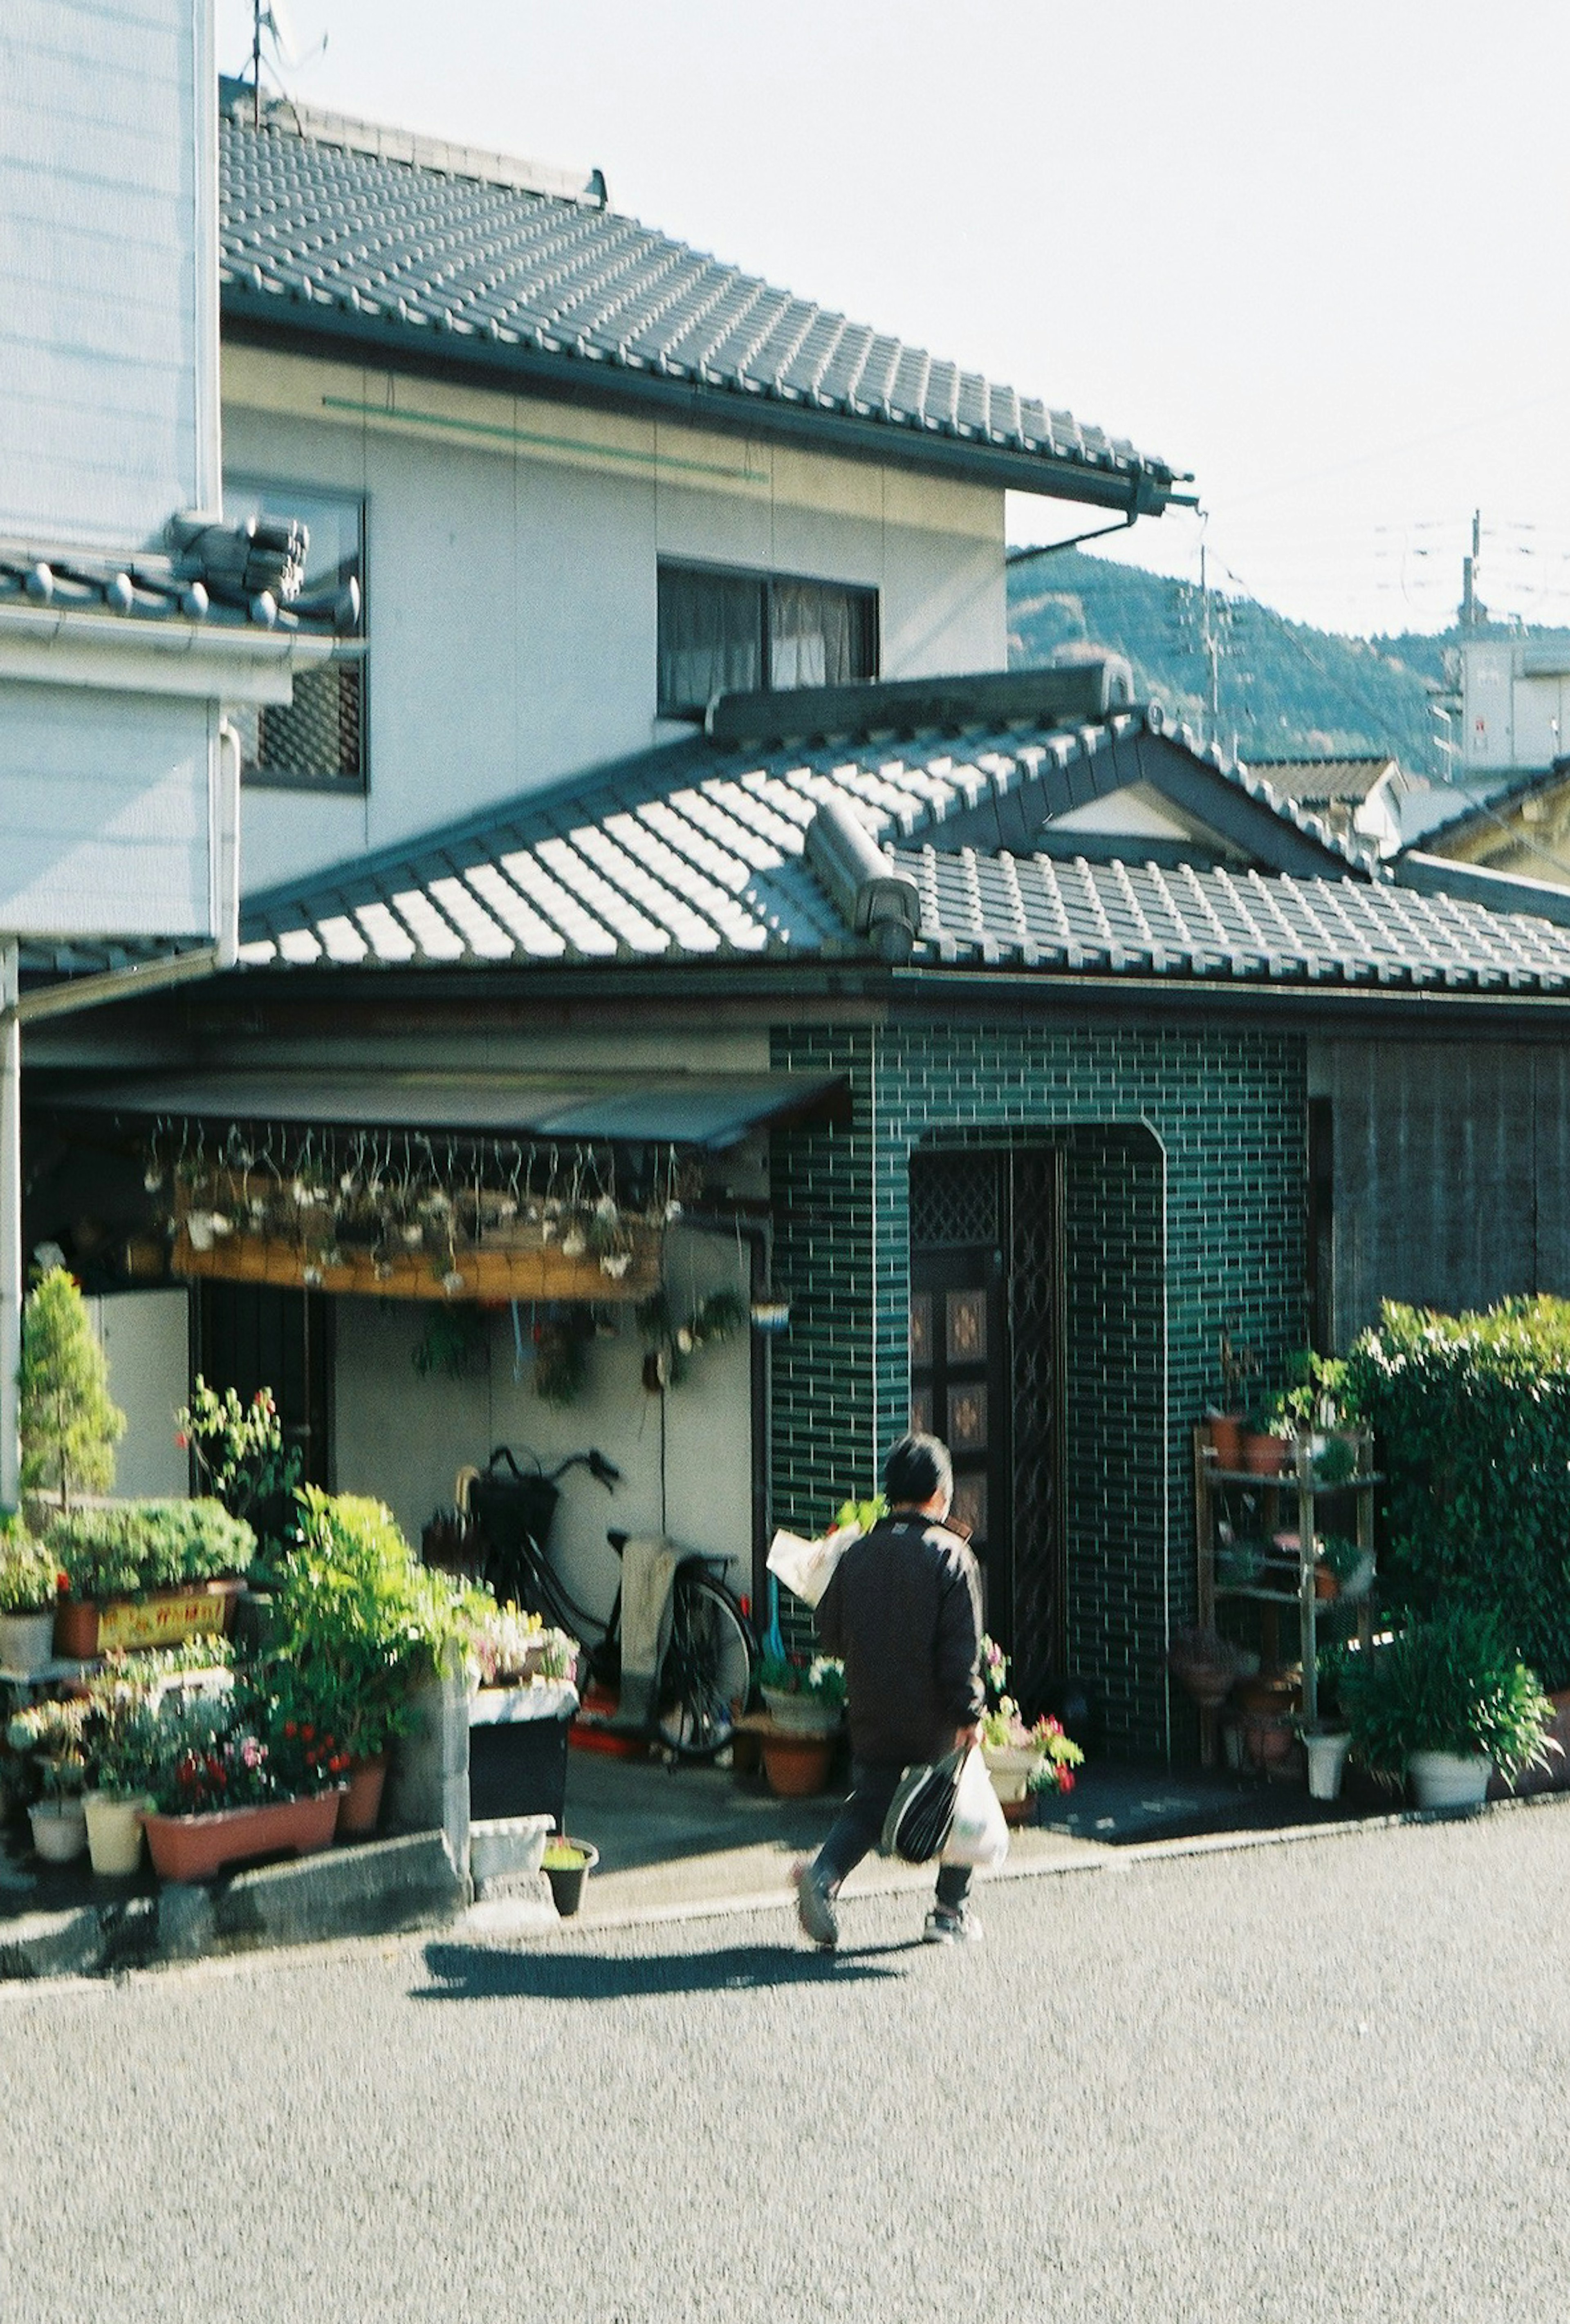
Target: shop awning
<point x="712" y="1111"/>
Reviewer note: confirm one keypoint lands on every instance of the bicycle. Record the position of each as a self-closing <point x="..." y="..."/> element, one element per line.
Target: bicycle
<point x="708" y="1664"/>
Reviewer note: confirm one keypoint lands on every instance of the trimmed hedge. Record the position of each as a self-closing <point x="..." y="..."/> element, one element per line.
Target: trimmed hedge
<point x="133" y="1546"/>
<point x="1472" y="1414"/>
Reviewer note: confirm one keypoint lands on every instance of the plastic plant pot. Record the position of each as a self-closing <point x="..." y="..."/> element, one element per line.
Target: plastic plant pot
<point x="567" y="1878"/>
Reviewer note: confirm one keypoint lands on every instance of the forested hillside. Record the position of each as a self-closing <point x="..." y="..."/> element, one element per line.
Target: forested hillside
<point x="1285" y="689"/>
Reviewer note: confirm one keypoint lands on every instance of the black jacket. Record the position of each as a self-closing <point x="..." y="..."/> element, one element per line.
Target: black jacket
<point x="903" y="1608"/>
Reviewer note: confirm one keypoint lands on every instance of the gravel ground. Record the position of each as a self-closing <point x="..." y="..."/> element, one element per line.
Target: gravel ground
<point x="1318" y="2080"/>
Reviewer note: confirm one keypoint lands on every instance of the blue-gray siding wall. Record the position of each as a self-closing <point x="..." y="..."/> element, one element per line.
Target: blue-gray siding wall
<point x="1184" y="1214"/>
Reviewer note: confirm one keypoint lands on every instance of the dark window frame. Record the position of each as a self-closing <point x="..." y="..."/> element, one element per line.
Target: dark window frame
<point x="284" y="494"/>
<point x="866" y="595"/>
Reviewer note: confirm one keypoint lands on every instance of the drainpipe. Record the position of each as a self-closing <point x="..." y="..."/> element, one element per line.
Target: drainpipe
<point x="9" y="1229"/>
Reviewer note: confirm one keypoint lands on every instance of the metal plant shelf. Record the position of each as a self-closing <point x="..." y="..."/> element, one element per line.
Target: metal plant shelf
<point x="1212" y="1485"/>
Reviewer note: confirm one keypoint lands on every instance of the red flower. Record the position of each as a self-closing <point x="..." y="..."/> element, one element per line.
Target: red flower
<point x="62" y="1582"/>
<point x="328" y="1744"/>
<point x="288" y="1728"/>
<point x="307" y="1735"/>
<point x="181" y="1439"/>
<point x="1065" y="1781"/>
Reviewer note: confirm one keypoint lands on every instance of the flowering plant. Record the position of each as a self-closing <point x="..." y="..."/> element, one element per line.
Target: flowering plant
<point x="822" y="1678"/>
<point x="1057" y="1755"/>
<point x="237" y="1448"/>
<point x="508" y="1643"/>
<point x="208" y="1757"/>
<point x="51" y="1734"/>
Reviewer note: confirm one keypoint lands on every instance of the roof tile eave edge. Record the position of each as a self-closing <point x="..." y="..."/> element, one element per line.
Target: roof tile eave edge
<point x="1145" y="484"/>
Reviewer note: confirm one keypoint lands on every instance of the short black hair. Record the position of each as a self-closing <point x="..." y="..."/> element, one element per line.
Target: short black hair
<point x="916" y="1468"/>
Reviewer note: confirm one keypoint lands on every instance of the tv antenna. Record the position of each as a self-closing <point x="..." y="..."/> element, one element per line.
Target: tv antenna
<point x="270" y="23"/>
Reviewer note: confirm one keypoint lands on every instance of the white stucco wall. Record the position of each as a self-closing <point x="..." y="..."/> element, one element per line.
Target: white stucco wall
<point x="403" y="1438"/>
<point x="145" y="1337"/>
<point x="108" y="286"/>
<point x="105" y="808"/>
<point x="512" y="548"/>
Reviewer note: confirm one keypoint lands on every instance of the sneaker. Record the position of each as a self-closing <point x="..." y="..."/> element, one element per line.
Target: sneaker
<point x="815" y="1908"/>
<point x="946" y="1927"/>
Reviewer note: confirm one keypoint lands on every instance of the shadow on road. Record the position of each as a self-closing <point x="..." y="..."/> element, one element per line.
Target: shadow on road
<point x="487" y="1973"/>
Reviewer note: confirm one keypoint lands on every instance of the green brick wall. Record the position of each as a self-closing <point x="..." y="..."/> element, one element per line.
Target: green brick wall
<point x="1184" y="1212"/>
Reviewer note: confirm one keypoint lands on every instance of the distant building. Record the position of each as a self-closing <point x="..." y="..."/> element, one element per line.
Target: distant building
<point x="1356" y="797"/>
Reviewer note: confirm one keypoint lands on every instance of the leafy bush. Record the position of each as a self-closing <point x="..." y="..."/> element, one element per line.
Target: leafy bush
<point x="133" y="1546"/>
<point x="359" y="1621"/>
<point x="1471" y="1414"/>
<point x="1450" y="1684"/>
<point x="239" y="1453"/>
<point x="29" y="1573"/>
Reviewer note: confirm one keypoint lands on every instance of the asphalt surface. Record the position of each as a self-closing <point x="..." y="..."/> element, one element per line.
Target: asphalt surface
<point x="1320" y="2079"/>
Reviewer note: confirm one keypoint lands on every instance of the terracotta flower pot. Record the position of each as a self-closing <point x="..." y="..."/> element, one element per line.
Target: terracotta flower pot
<point x="1264" y="1456"/>
<point x="1226" y="1439"/>
<point x="801" y="1714"/>
<point x="76" y="1630"/>
<point x="1326" y="1584"/>
<point x="197" y="1846"/>
<point x="360" y="1801"/>
<point x="797" y="1765"/>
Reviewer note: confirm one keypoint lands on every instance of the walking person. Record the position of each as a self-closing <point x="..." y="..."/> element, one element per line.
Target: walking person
<point x="903" y="1612"/>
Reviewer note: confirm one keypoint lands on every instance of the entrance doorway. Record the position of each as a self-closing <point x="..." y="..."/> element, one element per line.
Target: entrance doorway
<point x="986" y="1275"/>
<point x="251" y="1335"/>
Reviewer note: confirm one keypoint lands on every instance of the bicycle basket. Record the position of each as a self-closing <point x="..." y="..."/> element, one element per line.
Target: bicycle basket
<point x="515" y="1514"/>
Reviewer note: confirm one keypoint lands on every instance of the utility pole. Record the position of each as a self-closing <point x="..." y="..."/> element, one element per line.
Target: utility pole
<point x="1473" y="612"/>
<point x="1209" y="644"/>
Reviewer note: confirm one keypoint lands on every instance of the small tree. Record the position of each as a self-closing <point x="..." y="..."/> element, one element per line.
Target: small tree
<point x="70" y="1425"/>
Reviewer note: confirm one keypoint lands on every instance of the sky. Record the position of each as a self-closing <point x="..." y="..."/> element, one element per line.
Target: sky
<point x="1314" y="255"/>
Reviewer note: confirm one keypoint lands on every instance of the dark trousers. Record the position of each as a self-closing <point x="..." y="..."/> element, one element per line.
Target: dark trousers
<point x="858" y="1826"/>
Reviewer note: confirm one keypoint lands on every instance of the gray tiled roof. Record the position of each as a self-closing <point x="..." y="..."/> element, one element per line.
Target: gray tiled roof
<point x="324" y="237"/>
<point x="694" y="853"/>
<point x="1322" y="780"/>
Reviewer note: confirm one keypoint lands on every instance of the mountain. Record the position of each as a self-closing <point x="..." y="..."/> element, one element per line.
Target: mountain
<point x="1285" y="690"/>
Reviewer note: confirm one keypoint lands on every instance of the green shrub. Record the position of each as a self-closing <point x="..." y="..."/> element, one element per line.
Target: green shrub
<point x="69" y="1423"/>
<point x="132" y="1546"/>
<point x="28" y="1573"/>
<point x="1471" y="1414"/>
<point x="1450" y="1684"/>
<point x="359" y="1621"/>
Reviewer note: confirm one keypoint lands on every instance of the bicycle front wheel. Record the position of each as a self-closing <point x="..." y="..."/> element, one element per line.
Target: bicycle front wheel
<point x="707" y="1668"/>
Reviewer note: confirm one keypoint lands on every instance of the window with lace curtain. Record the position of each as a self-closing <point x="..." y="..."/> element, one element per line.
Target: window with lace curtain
<point x="727" y="633"/>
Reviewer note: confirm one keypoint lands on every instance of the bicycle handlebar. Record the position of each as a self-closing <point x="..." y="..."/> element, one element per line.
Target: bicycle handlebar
<point x="604" y="1472"/>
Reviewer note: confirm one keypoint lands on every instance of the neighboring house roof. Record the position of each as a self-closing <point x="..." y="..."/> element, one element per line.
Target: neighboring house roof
<point x="1480" y="809"/>
<point x="1322" y="780"/>
<point x="455" y="265"/>
<point x="219" y="575"/>
<point x="698" y="850"/>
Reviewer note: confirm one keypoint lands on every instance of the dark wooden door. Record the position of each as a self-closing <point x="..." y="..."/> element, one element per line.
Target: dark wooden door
<point x="959" y="1350"/>
<point x="985" y="1376"/>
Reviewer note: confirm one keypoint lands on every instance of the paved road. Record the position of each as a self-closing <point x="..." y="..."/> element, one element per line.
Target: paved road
<point x="1321" y="2080"/>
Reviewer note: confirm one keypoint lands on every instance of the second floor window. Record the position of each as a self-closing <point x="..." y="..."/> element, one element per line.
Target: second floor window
<point x="320" y="737"/>
<point x="737" y="632"/>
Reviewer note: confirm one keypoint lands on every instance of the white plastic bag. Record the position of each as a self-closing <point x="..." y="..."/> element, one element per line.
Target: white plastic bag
<point x="805" y="1567"/>
<point x="979" y="1836"/>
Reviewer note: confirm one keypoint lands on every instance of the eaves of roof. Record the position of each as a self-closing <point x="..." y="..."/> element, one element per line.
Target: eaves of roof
<point x="380" y="256"/>
<point x="1491" y="805"/>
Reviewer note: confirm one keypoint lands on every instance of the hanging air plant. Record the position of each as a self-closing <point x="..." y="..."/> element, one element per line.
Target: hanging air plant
<point x="671" y="1344"/>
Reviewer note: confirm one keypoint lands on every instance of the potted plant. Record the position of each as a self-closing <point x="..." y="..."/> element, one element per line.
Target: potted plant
<point x="225" y="1789"/>
<point x="1024" y="1761"/>
<point x="30" y="1582"/>
<point x="1204" y="1664"/>
<point x="1264" y="1447"/>
<point x="142" y="1573"/>
<point x="1446" y="1701"/>
<point x="69" y="1423"/>
<point x="1349" y="1567"/>
<point x="121" y="1751"/>
<point x="358" y="1623"/>
<point x="50" y="1734"/>
<point x="567" y="1865"/>
<point x="803" y="1697"/>
<point x="1225" y="1422"/>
